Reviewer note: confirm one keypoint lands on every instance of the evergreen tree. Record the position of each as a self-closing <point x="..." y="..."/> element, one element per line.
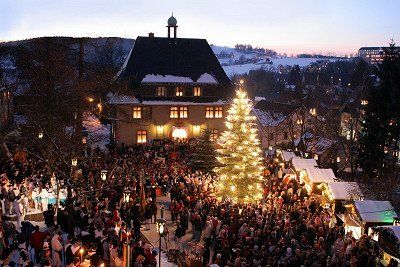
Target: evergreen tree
<point x="240" y="155"/>
<point x="203" y="157"/>
<point x="379" y="141"/>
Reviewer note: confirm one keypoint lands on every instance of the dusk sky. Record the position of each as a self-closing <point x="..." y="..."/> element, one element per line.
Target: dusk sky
<point x="292" y="26"/>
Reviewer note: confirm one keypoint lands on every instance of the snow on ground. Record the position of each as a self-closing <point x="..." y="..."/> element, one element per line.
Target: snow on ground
<point x="98" y="134"/>
<point x="276" y="62"/>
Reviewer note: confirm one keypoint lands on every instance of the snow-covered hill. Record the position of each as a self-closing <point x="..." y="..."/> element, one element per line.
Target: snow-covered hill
<point x="258" y="61"/>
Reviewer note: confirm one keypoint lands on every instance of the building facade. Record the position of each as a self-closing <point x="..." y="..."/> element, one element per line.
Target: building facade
<point x="175" y="88"/>
<point x="6" y="108"/>
<point x="373" y="55"/>
<point x="281" y="124"/>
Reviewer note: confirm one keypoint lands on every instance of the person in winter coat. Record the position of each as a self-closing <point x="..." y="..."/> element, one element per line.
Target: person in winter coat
<point x="56" y="248"/>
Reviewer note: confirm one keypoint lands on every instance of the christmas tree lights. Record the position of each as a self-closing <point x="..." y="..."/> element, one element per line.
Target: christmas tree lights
<point x="240" y="154"/>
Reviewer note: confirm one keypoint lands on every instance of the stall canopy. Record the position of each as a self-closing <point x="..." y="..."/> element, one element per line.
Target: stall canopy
<point x="317" y="175"/>
<point x="371" y="211"/>
<point x="344" y="190"/>
<point x="389" y="239"/>
<point x="300" y="164"/>
<point x="288" y="155"/>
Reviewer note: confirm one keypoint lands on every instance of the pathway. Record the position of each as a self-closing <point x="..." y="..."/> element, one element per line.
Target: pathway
<point x="153" y="238"/>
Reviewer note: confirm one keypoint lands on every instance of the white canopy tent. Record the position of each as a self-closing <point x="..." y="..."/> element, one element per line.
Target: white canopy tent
<point x="288" y="155"/>
<point x="300" y="164"/>
<point x="344" y="190"/>
<point x="372" y="211"/>
<point x="317" y="175"/>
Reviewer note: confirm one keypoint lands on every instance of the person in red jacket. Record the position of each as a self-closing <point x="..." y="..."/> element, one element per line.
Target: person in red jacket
<point x="37" y="240"/>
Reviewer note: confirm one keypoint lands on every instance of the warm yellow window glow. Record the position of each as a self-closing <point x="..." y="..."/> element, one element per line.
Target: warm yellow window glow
<point x="179" y="133"/>
<point x="218" y="112"/>
<point x="160" y="130"/>
<point x="197" y="91"/>
<point x="364" y="102"/>
<point x="214" y="135"/>
<point x="137" y="112"/>
<point x="196" y="129"/>
<point x="141" y="136"/>
<point x="209" y="112"/>
<point x="183" y="112"/>
<point x="179" y="91"/>
<point x="173" y="112"/>
<point x="161" y="91"/>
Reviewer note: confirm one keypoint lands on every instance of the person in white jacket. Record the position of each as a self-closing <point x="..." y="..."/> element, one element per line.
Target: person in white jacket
<point x="19" y="211"/>
<point x="56" y="250"/>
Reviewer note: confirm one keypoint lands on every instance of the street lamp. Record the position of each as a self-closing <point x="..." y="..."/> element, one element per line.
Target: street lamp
<point x="126" y="195"/>
<point x="74" y="162"/>
<point x="40" y="135"/>
<point x="160" y="226"/>
<point x="103" y="175"/>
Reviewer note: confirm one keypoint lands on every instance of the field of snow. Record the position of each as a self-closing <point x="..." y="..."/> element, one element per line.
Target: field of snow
<point x="245" y="68"/>
<point x="288" y="61"/>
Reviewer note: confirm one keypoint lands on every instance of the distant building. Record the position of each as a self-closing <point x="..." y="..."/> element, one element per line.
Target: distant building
<point x="281" y="124"/>
<point x="6" y="108"/>
<point x="373" y="55"/>
<point x="175" y="88"/>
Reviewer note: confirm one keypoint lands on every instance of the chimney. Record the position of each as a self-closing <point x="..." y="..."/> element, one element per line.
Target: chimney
<point x="151" y="34"/>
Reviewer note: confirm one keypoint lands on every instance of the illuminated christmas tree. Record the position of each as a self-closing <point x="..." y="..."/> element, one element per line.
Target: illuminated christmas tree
<point x="240" y="154"/>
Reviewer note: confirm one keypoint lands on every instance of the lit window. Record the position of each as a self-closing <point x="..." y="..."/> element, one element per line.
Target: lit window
<point x="160" y="130"/>
<point x="218" y="112"/>
<point x="183" y="112"/>
<point x="173" y="112"/>
<point x="141" y="136"/>
<point x="209" y="112"/>
<point x="214" y="135"/>
<point x="196" y="129"/>
<point x="364" y="102"/>
<point x="161" y="91"/>
<point x="137" y="112"/>
<point x="179" y="91"/>
<point x="197" y="91"/>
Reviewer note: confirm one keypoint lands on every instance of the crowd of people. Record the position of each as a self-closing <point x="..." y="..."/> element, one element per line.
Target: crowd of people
<point x="288" y="228"/>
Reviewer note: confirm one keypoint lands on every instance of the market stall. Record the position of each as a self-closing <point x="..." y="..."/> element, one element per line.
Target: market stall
<point x="338" y="194"/>
<point x="370" y="213"/>
<point x="388" y="239"/>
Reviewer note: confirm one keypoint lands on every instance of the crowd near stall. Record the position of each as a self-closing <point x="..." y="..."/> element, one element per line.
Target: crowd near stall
<point x="306" y="217"/>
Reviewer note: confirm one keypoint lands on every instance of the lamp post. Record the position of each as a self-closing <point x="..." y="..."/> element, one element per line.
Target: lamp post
<point x="103" y="175"/>
<point x="126" y="195"/>
<point x="160" y="224"/>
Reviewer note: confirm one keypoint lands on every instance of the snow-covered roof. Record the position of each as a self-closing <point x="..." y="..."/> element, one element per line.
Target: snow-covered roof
<point x="287" y="155"/>
<point x="303" y="164"/>
<point x="315" y="144"/>
<point x="182" y="103"/>
<point x="267" y="118"/>
<point x="394" y="228"/>
<point x="375" y="211"/>
<point x="205" y="78"/>
<point x="317" y="175"/>
<point x="344" y="190"/>
<point x="115" y="99"/>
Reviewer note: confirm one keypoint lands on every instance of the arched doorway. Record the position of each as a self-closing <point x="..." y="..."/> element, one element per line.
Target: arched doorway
<point x="179" y="133"/>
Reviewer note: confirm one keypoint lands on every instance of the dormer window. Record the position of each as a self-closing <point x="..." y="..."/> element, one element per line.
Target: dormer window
<point x="161" y="91"/>
<point x="197" y="91"/>
<point x="178" y="91"/>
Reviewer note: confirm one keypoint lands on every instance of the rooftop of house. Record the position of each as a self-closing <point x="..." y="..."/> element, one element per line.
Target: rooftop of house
<point x="173" y="60"/>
